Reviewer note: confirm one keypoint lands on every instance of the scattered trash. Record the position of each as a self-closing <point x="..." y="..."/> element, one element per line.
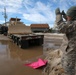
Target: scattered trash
<point x="37" y="64"/>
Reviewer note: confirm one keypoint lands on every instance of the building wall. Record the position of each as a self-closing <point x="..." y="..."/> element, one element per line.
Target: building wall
<point x="39" y="29"/>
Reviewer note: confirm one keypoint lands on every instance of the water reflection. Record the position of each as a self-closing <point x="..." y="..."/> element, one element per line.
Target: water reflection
<point x="3" y="50"/>
<point x="12" y="59"/>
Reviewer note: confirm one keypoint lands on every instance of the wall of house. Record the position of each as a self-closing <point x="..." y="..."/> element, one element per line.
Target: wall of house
<point x="39" y="29"/>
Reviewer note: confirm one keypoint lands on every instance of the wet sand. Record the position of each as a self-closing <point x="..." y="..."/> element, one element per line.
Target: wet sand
<point x="13" y="58"/>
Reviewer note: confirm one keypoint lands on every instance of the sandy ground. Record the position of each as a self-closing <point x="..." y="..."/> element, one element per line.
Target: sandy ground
<point x="4" y="38"/>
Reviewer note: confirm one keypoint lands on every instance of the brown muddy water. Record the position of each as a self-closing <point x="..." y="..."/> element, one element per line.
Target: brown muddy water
<point x="13" y="58"/>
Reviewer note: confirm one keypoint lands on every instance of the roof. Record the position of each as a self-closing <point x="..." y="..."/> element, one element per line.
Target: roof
<point x="14" y="19"/>
<point x="39" y="26"/>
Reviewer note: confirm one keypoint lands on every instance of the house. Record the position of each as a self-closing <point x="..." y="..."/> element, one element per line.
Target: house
<point x="6" y="24"/>
<point x="39" y="27"/>
<point x="14" y="19"/>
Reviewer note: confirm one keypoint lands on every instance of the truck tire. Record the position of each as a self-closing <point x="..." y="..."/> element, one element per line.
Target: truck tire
<point x="23" y="44"/>
<point x="40" y="41"/>
<point x="17" y="42"/>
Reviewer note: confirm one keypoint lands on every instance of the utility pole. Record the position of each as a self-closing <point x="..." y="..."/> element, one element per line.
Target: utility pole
<point x="5" y="15"/>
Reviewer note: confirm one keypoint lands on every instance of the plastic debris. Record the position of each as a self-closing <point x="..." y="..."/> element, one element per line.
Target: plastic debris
<point x="37" y="64"/>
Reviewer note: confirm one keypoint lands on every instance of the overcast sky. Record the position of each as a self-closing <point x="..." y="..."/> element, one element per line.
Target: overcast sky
<point x="34" y="11"/>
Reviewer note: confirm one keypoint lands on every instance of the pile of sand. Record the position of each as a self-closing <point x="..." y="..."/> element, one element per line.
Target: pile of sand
<point x="54" y="66"/>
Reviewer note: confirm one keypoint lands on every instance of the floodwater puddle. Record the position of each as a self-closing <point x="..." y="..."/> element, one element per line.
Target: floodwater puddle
<point x="12" y="59"/>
